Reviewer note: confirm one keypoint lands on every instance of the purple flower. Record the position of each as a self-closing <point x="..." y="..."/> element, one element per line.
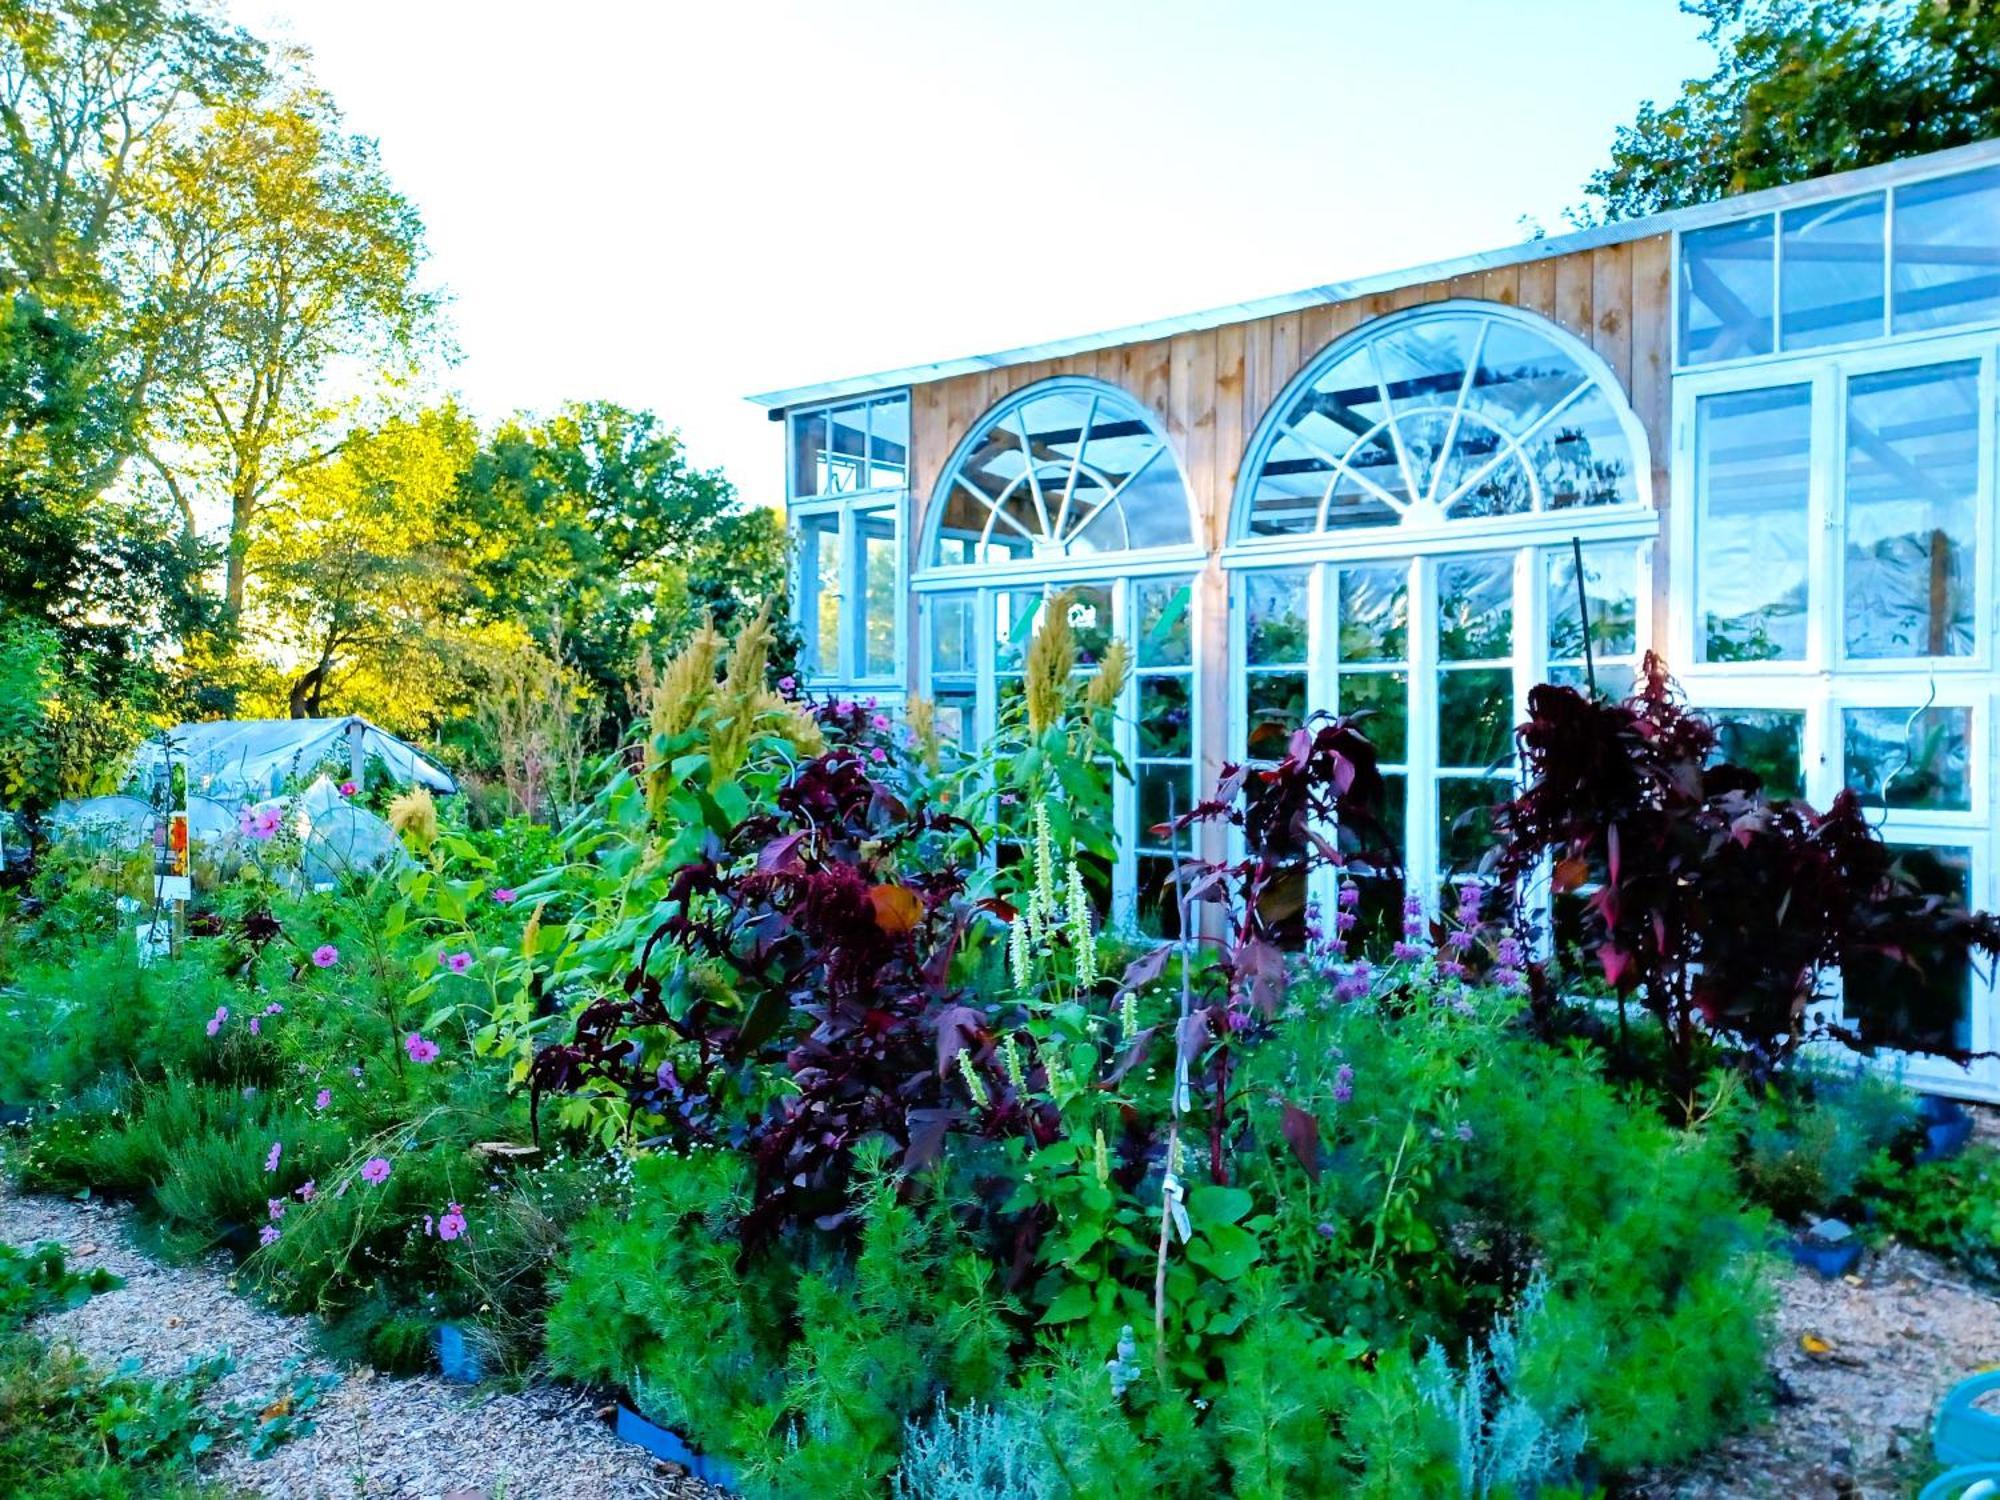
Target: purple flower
<point x="1236" y="1018"/>
<point x="1507" y="953"/>
<point x="1464" y="1131"/>
<point x="1469" y="895"/>
<point x="870" y="701"/>
<point x="323" y="1099"/>
<point x="1460" y="938"/>
<point x="375" y="1171"/>
<point x="504" y="895"/>
<point x="268" y="1235"/>
<point x="1350" y="894"/>
<point x="275" y="1207"/>
<point x="1413" y="905"/>
<point x="1510" y="980"/>
<point x="1345" y="922"/>
<point x="214" y="1025"/>
<point x="788" y="685"/>
<point x="274" y="1009"/>
<point x="878" y="755"/>
<point x="308" y="1190"/>
<point x="325" y="956"/>
<point x="221" y="1012"/>
<point x="1343" y="1083"/>
<point x="271" y="1161"/>
<point x="845" y="707"/>
<point x="452" y="1224"/>
<point x="256" y="1025"/>
<point x="879" y="722"/>
<point x="458" y="962"/>
<point x="348" y="789"/>
<point x="1406" y="953"/>
<point x="1450" y="968"/>
<point x="420" y="1048"/>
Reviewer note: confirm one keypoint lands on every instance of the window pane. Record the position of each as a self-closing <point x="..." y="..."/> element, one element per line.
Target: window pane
<point x="1159" y="908"/>
<point x="1921" y="756"/>
<point x="1947" y="256"/>
<point x="880" y="596"/>
<point x="1475" y="717"/>
<point x="1015" y="611"/>
<point x="1465" y="821"/>
<point x="1752" y="462"/>
<point x="1090" y="621"/>
<point x="1275" y="617"/>
<point x="1611" y="594"/>
<point x="1726" y="291"/>
<point x="1166" y="716"/>
<point x="1476" y="609"/>
<point x="808" y="453"/>
<point x="844" y="465"/>
<point x="1375" y="613"/>
<point x="1387" y="694"/>
<point x="1165" y="792"/>
<point x="1928" y="999"/>
<point x="1831" y="273"/>
<point x="1768" y="741"/>
<point x="957" y="713"/>
<point x="954" y="641"/>
<point x="819" y="576"/>
<point x="889" y="443"/>
<point x="1165" y="630"/>
<point x="1581" y="457"/>
<point x="1912" y="525"/>
<point x="1276" y="705"/>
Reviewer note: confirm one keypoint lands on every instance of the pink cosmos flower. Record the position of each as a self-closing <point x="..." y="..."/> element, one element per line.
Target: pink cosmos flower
<point x="261" y="822"/>
<point x="271" y="1161"/>
<point x="325" y="956"/>
<point x="348" y="789"/>
<point x="788" y="685"/>
<point x="375" y="1171"/>
<point x="308" y="1190"/>
<point x="268" y="1235"/>
<point x="878" y="755"/>
<point x="420" y="1048"/>
<point x="323" y="1099"/>
<point x="452" y="1225"/>
<point x="879" y="722"/>
<point x="504" y="895"/>
<point x="458" y="963"/>
<point x="275" y="1207"/>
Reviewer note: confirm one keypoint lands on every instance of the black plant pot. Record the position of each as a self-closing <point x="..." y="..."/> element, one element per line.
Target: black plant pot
<point x="664" y="1442"/>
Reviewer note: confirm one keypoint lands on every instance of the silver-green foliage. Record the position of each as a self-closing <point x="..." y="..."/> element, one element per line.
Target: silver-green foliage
<point x="973" y="1452"/>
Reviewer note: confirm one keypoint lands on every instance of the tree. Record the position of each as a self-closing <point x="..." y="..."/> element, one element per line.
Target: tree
<point x="595" y="519"/>
<point x="1803" y="88"/>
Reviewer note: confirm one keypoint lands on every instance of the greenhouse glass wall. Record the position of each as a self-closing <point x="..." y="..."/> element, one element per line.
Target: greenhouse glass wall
<point x="1765" y="425"/>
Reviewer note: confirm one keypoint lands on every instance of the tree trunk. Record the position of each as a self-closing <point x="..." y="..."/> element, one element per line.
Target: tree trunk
<point x="307" y="692"/>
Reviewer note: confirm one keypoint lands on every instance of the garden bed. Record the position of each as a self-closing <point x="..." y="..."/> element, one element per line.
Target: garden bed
<point x="375" y="1436"/>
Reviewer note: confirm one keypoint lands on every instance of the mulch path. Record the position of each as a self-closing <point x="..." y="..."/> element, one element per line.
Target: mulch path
<point x="398" y="1439"/>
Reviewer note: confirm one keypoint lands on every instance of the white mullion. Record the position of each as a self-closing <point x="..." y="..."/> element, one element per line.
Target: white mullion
<point x="1458" y="414"/>
<point x="1061" y="535"/>
<point x="1420" y="830"/>
<point x="1125" y="789"/>
<point x="1826" y="494"/>
<point x="1323" y="691"/>
<point x="985" y="693"/>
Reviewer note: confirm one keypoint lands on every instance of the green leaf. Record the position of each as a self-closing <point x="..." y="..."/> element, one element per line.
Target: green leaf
<point x="1210" y="1204"/>
<point x="1225" y="1251"/>
<point x="1073" y="1302"/>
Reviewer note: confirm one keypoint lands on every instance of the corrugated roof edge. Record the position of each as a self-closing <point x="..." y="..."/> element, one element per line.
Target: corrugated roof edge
<point x="1744" y="205"/>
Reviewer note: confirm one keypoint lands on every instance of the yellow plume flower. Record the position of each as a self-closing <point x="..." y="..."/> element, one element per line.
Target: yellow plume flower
<point x="414" y="817"/>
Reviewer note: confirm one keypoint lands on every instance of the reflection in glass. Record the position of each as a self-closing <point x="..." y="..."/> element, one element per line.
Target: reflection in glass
<point x="819" y="574"/>
<point x="1164" y="610"/>
<point x="889" y="443"/>
<point x="1014" y="615"/>
<point x="1921" y="757"/>
<point x="808" y="452"/>
<point x="1475" y="717"/>
<point x="1165" y="792"/>
<point x="1925" y="1003"/>
<point x="880" y="596"/>
<point x="1275" y="617"/>
<point x="1375" y="613"/>
<point x="1611" y="593"/>
<point x="1276" y="705"/>
<point x="1159" y="912"/>
<point x="843" y="465"/>
<point x="1465" y="821"/>
<point x="1475" y="608"/>
<point x="1726" y="292"/>
<point x="1387" y="696"/>
<point x="1166" y="716"/>
<point x="1830" y="274"/>
<point x="1090" y="621"/>
<point x="1946" y="262"/>
<point x="1767" y="741"/>
<point x="954" y="637"/>
<point x="1912" y="498"/>
<point x="1752" y="468"/>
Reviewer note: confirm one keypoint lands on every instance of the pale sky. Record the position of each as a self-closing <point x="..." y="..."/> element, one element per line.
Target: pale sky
<point x="672" y="205"/>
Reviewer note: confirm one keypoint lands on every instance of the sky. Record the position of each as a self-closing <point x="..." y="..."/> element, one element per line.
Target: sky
<point x="673" y="205"/>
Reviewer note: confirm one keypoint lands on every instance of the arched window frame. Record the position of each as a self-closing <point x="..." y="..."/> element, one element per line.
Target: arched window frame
<point x="1424" y="532"/>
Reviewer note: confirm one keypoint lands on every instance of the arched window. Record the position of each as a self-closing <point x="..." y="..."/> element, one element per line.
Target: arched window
<point x="1067" y="468"/>
<point x="1438" y="415"/>
<point x="1071" y="485"/>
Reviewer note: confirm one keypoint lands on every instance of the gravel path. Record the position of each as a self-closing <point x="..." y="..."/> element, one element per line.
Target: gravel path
<point x="417" y="1439"/>
<point x="1853" y="1421"/>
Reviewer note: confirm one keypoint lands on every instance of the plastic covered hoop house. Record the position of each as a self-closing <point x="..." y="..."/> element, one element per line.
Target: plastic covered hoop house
<point x="234" y="761"/>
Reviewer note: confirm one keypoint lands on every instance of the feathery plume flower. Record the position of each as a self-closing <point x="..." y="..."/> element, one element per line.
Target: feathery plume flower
<point x="414" y="817"/>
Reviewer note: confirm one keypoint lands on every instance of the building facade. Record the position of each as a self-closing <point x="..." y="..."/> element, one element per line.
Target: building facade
<point x="1764" y="427"/>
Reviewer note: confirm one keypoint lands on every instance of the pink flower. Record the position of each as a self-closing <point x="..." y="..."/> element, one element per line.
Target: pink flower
<point x="458" y="963"/>
<point x="221" y="1012"/>
<point x="420" y="1048"/>
<point x="878" y="755"/>
<point x="308" y="1190"/>
<point x="214" y="1025"/>
<point x="348" y="789"/>
<point x="274" y="1009"/>
<point x="427" y="1224"/>
<point x="504" y="895"/>
<point x="256" y="1025"/>
<point x="323" y="1099"/>
<point x="261" y="822"/>
<point x="275" y="1207"/>
<point x="879" y="722"/>
<point x="268" y="1235"/>
<point x="788" y="685"/>
<point x="452" y="1225"/>
<point x="271" y="1161"/>
<point x="375" y="1171"/>
<point x="325" y="956"/>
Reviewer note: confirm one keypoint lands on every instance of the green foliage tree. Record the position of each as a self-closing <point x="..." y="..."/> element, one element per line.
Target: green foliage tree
<point x="1803" y="88"/>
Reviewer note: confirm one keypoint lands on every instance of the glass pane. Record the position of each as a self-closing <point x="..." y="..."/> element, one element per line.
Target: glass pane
<point x="1614" y="680"/>
<point x="957" y="714"/>
<point x="1923" y="757"/>
<point x="1925" y="1003"/>
<point x="1276" y="705"/>
<point x="1483" y="476"/>
<point x="1768" y="741"/>
<point x="1165" y="792"/>
<point x="1387" y="694"/>
<point x="1090" y="621"/>
<point x="1159" y="907"/>
<point x="1581" y="457"/>
<point x="844" y="467"/>
<point x="1752" y="463"/>
<point x="1947" y="256"/>
<point x="819" y="576"/>
<point x="1475" y="717"/>
<point x="1476" y="609"/>
<point x="1289" y="487"/>
<point x="1275" y="618"/>
<point x="1341" y="408"/>
<point x="1396" y="823"/>
<point x="1424" y="365"/>
<point x="1164" y="607"/>
<point x="954" y="639"/>
<point x="1611" y="595"/>
<point x="889" y="443"/>
<point x="1375" y="613"/>
<point x="880" y="598"/>
<point x="1465" y="821"/>
<point x="808" y="453"/>
<point x="1726" y="291"/>
<point x="1830" y="275"/>
<point x="1166" y="715"/>
<point x="1912" y="519"/>
<point x="1521" y="376"/>
<point x="1014" y="612"/>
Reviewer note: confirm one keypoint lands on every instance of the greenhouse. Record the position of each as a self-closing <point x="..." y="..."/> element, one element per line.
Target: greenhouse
<point x="1762" y="429"/>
